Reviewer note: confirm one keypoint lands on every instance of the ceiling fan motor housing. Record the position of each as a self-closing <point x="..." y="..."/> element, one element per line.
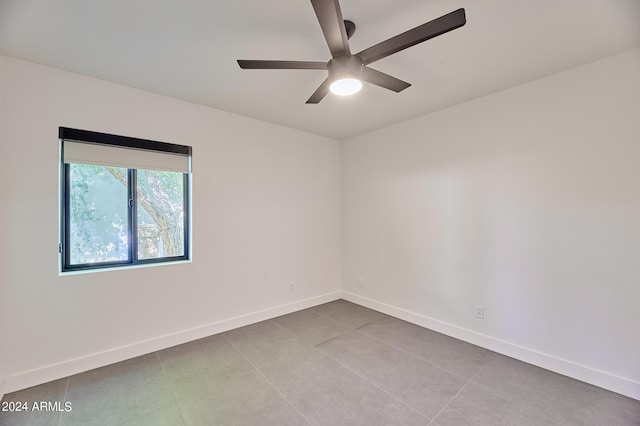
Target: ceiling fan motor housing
<point x="345" y="67"/>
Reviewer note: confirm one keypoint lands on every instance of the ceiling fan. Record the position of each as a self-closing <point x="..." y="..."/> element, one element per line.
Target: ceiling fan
<point x="347" y="70"/>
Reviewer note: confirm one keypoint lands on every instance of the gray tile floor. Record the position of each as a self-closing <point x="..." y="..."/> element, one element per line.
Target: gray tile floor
<point x="334" y="364"/>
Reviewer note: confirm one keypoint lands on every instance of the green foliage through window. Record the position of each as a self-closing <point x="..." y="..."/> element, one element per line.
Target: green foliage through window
<point x="98" y="210"/>
<point x="121" y="216"/>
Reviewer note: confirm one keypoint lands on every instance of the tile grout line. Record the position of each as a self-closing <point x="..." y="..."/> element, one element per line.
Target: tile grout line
<point x="340" y="322"/>
<point x="306" y="345"/>
<point x="342" y="332"/>
<point x="493" y="392"/>
<point x="173" y="394"/>
<point x="411" y="354"/>
<point x="480" y="369"/>
<point x="316" y="314"/>
<point x="460" y="391"/>
<point x="283" y="396"/>
<point x="481" y="386"/>
<point x="66" y="389"/>
<point x="414" y="356"/>
<point x="335" y="320"/>
<point x="267" y="380"/>
<point x="449" y="403"/>
<point x="374" y="385"/>
<point x="273" y="361"/>
<point x="275" y="320"/>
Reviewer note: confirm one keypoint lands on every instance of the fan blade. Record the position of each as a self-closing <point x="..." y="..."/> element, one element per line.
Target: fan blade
<point x="320" y="92"/>
<point x="421" y="33"/>
<point x="281" y="65"/>
<point x="383" y="80"/>
<point x="332" y="24"/>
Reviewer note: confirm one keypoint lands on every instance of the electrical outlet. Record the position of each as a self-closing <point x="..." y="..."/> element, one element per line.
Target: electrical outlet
<point x="480" y="311"/>
<point x="361" y="281"/>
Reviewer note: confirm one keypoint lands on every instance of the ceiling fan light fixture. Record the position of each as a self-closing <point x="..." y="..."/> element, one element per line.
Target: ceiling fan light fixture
<point x="345" y="86"/>
<point x="344" y="74"/>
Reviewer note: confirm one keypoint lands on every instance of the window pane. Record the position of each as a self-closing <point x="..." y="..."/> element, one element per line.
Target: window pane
<point x="98" y="211"/>
<point x="160" y="214"/>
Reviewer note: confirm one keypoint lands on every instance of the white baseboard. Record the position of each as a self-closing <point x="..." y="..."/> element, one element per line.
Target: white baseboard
<point x="56" y="371"/>
<point x="603" y="379"/>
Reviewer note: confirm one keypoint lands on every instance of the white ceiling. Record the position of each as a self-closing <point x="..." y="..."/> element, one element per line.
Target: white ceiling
<point x="188" y="49"/>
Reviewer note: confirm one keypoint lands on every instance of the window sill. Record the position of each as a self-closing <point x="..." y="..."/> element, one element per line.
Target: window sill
<point x="120" y="268"/>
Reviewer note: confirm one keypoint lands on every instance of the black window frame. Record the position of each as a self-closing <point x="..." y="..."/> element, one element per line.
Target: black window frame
<point x="106" y="139"/>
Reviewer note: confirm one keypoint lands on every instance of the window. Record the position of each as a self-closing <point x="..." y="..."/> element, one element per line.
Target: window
<point x="124" y="201"/>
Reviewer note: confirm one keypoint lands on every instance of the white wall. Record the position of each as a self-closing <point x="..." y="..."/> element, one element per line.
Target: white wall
<point x="527" y="202"/>
<point x="265" y="213"/>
